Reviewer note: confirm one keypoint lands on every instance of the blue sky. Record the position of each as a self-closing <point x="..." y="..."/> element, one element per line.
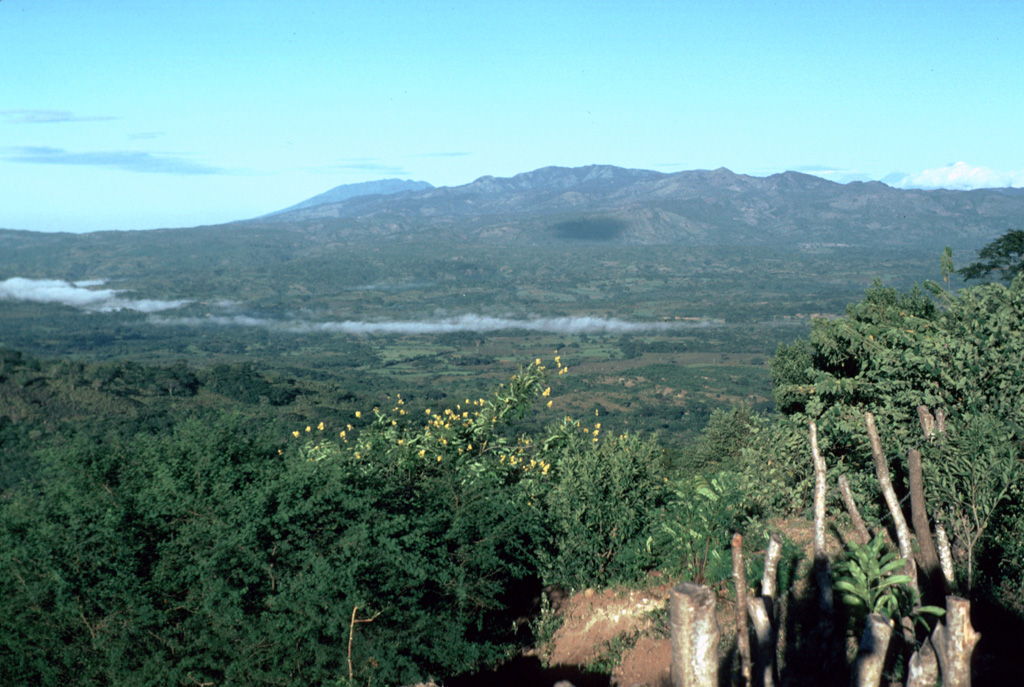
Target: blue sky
<point x="118" y="115"/>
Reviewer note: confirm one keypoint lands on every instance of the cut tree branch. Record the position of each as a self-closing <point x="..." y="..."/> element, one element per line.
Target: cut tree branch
<point x="885" y="482"/>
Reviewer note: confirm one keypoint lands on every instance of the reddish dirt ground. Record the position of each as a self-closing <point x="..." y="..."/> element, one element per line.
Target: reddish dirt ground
<point x="591" y="620"/>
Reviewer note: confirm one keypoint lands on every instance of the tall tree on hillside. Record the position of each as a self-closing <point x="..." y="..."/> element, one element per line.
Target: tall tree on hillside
<point x="1004" y="256"/>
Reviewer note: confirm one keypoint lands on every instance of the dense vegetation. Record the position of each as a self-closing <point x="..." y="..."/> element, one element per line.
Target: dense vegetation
<point x="724" y="310"/>
<point x="184" y="523"/>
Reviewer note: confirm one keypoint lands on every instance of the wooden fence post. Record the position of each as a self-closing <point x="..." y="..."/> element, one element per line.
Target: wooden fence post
<point x="874" y="644"/>
<point x="739" y="578"/>
<point x="822" y="565"/>
<point x="954" y="639"/>
<point x="695" y="636"/>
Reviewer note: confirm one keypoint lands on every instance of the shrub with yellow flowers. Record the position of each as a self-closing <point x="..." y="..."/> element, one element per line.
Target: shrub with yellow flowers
<point x="474" y="506"/>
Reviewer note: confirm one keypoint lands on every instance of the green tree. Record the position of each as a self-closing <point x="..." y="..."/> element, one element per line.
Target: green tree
<point x="893" y="352"/>
<point x="1004" y="256"/>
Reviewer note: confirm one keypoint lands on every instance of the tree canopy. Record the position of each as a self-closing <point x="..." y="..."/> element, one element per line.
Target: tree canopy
<point x="1004" y="256"/>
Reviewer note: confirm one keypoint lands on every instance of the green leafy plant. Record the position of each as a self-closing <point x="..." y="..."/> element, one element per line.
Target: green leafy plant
<point x="601" y="501"/>
<point x="973" y="471"/>
<point x="700" y="517"/>
<point x="869" y="579"/>
<point x="870" y="582"/>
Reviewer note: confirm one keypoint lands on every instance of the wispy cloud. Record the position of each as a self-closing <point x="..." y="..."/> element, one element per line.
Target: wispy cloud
<point x="839" y="175"/>
<point x="145" y="135"/>
<point x="78" y="295"/>
<point x="126" y="160"/>
<point x="26" y="116"/>
<point x="445" y="154"/>
<point x="461" y="323"/>
<point x="958" y="176"/>
<point x="365" y="164"/>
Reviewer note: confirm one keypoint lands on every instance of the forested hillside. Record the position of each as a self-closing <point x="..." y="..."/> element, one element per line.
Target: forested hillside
<point x="222" y="525"/>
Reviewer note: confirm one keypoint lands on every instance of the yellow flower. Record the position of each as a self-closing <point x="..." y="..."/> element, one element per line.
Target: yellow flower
<point x="439" y="459"/>
<point x="308" y="428"/>
<point x="597" y="425"/>
<point x="427" y="411"/>
<point x="359" y="413"/>
<point x="342" y="435"/>
<point x="547" y="392"/>
<point x="423" y="452"/>
<point x="537" y="361"/>
<point x="549" y="403"/>
<point x="295" y="434"/>
<point x="320" y="426"/>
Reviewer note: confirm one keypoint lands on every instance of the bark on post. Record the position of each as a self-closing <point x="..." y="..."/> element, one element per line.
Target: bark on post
<point x="739" y="579"/>
<point x="822" y="566"/>
<point x="764" y="671"/>
<point x="923" y="667"/>
<point x="927" y="422"/>
<point x="820" y="490"/>
<point x="860" y="530"/>
<point x="771" y="570"/>
<point x="919" y="515"/>
<point x="954" y="640"/>
<point x="945" y="554"/>
<point x="885" y="482"/>
<point x="874" y="644"/>
<point x="762" y="616"/>
<point x="695" y="634"/>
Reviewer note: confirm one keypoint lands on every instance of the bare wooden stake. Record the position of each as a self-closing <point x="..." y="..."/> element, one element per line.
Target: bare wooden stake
<point x="739" y="579"/>
<point x="954" y="640"/>
<point x="945" y="554"/>
<point x="885" y="482"/>
<point x="695" y="635"/>
<point x="820" y="490"/>
<point x="822" y="565"/>
<point x="923" y="667"/>
<point x="764" y="672"/>
<point x="927" y="422"/>
<point x="919" y="516"/>
<point x="874" y="644"/>
<point x="860" y="530"/>
<point x="771" y="566"/>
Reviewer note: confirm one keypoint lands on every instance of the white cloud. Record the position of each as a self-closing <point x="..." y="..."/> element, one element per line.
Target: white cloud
<point x="462" y="323"/>
<point x="958" y="176"/>
<point x="78" y="296"/>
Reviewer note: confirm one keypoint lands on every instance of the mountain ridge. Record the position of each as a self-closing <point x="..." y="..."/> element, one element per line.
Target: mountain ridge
<point x="344" y="192"/>
<point x="635" y="206"/>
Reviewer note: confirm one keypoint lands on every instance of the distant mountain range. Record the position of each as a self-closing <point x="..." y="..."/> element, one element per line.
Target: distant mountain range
<point x="553" y="206"/>
<point x="632" y="206"/>
<point x="344" y="192"/>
